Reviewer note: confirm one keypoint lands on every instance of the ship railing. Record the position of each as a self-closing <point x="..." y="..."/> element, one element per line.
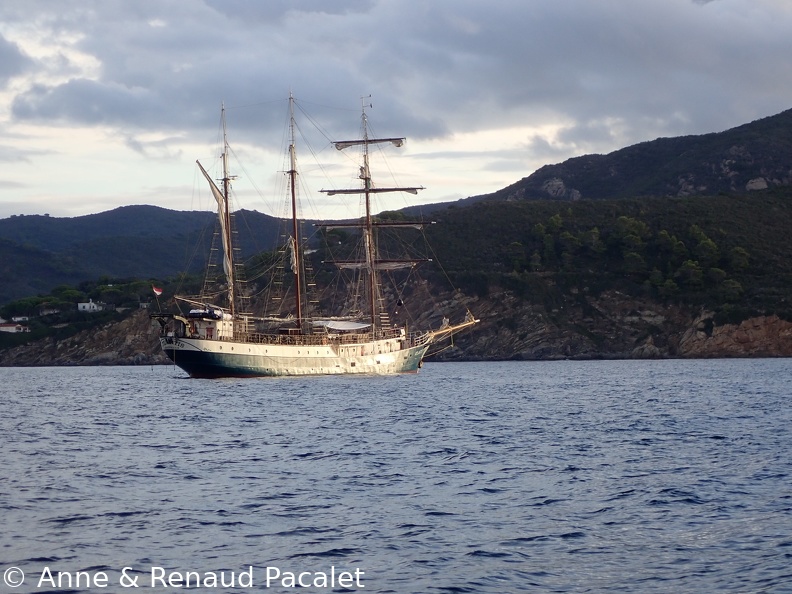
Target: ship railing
<point x="419" y="338"/>
<point x="326" y="339"/>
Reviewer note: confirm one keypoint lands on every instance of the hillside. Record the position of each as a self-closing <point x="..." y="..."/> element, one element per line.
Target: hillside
<point x="41" y="252"/>
<point x="684" y="249"/>
<point x="751" y="157"/>
<point x="59" y="234"/>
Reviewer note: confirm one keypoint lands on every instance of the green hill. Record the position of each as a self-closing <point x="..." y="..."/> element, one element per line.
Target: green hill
<point x="691" y="249"/>
<point x="42" y="252"/>
<point x="749" y="157"/>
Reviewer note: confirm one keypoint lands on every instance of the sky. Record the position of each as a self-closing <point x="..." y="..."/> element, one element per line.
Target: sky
<point x="105" y="103"/>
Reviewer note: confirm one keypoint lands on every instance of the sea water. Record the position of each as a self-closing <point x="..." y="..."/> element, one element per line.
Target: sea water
<point x="602" y="476"/>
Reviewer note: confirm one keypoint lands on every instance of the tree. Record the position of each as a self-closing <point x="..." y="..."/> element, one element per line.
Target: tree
<point x="634" y="263"/>
<point x="536" y="261"/>
<point x="716" y="276"/>
<point x="680" y="252"/>
<point x="22" y="307"/>
<point x="555" y="223"/>
<point x="590" y="240"/>
<point x="690" y="274"/>
<point x="515" y="255"/>
<point x="629" y="226"/>
<point x="697" y="234"/>
<point x="68" y="294"/>
<point x="668" y="289"/>
<point x="569" y="243"/>
<point x="706" y="252"/>
<point x="656" y="278"/>
<point x="731" y="290"/>
<point x="739" y="259"/>
<point x="550" y="256"/>
<point x="629" y="235"/>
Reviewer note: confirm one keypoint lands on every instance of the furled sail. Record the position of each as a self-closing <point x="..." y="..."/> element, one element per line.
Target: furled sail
<point x="411" y="190"/>
<point x="344" y="144"/>
<point x="378" y="264"/>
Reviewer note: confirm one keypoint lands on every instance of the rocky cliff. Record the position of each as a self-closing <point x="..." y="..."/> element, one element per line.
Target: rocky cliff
<point x="765" y="336"/>
<point x="611" y="325"/>
<point x="131" y="341"/>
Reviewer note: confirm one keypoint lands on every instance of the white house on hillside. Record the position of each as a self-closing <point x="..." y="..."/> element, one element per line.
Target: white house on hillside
<point x="90" y="306"/>
<point x="13" y="327"/>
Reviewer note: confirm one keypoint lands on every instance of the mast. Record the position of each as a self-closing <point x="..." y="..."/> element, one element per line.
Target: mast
<point x="295" y="240"/>
<point x="226" y="228"/>
<point x="224" y="216"/>
<point x="368" y="230"/>
<point x="370" y="263"/>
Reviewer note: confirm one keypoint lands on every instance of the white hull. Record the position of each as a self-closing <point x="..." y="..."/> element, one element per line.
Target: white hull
<point x="201" y="357"/>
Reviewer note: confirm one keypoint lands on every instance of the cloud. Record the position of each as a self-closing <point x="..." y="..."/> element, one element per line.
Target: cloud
<point x="432" y="64"/>
<point x="542" y="81"/>
<point x="12" y="61"/>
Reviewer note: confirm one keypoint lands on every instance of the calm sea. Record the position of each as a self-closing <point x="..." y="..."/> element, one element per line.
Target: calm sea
<point x="608" y="476"/>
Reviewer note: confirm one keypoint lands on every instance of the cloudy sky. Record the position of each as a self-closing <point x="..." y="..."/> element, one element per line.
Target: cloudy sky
<point x="109" y="102"/>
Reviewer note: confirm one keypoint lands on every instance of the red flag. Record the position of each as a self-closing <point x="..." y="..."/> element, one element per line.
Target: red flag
<point x="157" y="291"/>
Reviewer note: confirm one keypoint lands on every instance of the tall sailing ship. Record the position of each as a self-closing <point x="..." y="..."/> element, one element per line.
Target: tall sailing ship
<point x="215" y="338"/>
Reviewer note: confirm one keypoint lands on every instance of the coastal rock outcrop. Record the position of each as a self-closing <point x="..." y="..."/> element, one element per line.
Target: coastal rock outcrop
<point x="762" y="336"/>
<point x="131" y="341"/>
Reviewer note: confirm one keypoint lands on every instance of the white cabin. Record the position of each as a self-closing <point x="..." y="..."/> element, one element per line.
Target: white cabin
<point x="90" y="306"/>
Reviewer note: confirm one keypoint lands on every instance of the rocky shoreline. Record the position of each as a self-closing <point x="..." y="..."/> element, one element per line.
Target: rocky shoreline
<point x="613" y="326"/>
<point x="131" y="341"/>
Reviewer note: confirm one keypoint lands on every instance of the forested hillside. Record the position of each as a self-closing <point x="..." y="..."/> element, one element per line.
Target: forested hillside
<point x="731" y="253"/>
<point x="39" y="253"/>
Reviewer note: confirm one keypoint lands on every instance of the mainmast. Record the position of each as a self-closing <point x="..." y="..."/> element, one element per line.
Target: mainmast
<point x="224" y="216"/>
<point x="371" y="263"/>
<point x="295" y="240"/>
<point x="368" y="230"/>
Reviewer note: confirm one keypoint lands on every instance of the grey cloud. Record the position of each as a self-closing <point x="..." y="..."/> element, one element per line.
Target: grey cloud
<point x="613" y="73"/>
<point x="161" y="149"/>
<point x="12" y="60"/>
<point x="277" y="9"/>
<point x="84" y="102"/>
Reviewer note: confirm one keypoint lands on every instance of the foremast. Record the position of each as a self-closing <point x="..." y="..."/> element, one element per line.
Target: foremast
<point x="222" y="197"/>
<point x="371" y="264"/>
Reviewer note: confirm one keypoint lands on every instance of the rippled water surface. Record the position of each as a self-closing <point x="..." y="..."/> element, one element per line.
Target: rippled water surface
<point x="610" y="476"/>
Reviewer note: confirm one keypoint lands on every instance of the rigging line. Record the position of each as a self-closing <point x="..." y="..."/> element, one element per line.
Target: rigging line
<point x="315" y="123"/>
<point x="315" y="155"/>
<point x="250" y="179"/>
<point x="445" y="348"/>
<point x="440" y="266"/>
<point x="265" y="271"/>
<point x="384" y="157"/>
<point x="331" y="182"/>
<point x="356" y="110"/>
<point x="246" y="105"/>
